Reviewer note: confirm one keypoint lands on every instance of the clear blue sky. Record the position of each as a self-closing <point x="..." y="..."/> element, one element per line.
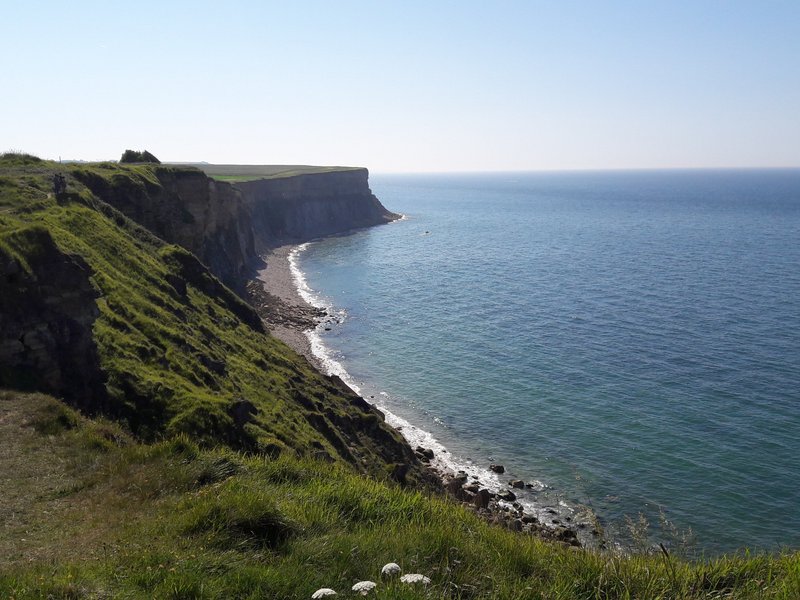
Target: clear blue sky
<point x="406" y="86"/>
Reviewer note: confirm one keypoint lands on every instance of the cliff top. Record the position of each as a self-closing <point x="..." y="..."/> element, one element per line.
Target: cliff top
<point x="252" y="172"/>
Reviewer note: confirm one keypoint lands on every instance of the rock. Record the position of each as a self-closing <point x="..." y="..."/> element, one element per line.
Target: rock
<point x="47" y="314"/>
<point x="515" y="525"/>
<point x="453" y="486"/>
<point x="517" y="484"/>
<point x="472" y="488"/>
<point x="424" y="453"/>
<point x="529" y="519"/>
<point x="566" y="535"/>
<point x="507" y="495"/>
<point x="497" y="469"/>
<point x="482" y="498"/>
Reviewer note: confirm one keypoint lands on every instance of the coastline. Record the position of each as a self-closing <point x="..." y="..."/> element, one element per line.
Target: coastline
<point x="293" y="319"/>
<point x="278" y="302"/>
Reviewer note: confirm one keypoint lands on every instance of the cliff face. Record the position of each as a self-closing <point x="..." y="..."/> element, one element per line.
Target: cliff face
<point x="47" y="311"/>
<point x="225" y="225"/>
<point x="184" y="207"/>
<point x="303" y="207"/>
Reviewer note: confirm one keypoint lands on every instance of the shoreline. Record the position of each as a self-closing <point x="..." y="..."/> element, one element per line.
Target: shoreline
<point x="293" y="319"/>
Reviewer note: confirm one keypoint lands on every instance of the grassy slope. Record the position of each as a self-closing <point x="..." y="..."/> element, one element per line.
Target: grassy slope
<point x="178" y="363"/>
<point x="90" y="513"/>
<point x="235" y="173"/>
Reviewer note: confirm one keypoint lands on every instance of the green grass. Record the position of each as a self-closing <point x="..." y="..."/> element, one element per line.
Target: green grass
<point x="237" y="173"/>
<point x="124" y="519"/>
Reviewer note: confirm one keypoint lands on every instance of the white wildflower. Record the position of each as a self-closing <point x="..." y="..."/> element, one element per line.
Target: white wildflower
<point x="390" y="569"/>
<point x="364" y="587"/>
<point x="322" y="593"/>
<point x="415" y="578"/>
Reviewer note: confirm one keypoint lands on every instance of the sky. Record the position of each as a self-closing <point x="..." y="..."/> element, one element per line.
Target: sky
<point x="406" y="86"/>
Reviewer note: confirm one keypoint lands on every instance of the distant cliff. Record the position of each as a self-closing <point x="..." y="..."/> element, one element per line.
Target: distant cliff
<point x="227" y="225"/>
<point x="303" y="207"/>
<point x="183" y="206"/>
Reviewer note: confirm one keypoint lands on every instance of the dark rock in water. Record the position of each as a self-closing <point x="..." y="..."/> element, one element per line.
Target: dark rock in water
<point x="506" y="495"/>
<point x="472" y="487"/>
<point x="461" y="476"/>
<point x="497" y="468"/>
<point x="529" y="519"/>
<point x="482" y="498"/>
<point x="517" y="484"/>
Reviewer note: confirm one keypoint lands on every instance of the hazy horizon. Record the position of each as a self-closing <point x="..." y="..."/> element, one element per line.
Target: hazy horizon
<point x="411" y="87"/>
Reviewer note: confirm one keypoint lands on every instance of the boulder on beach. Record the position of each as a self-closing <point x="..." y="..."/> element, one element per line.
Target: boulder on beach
<point x="506" y="495"/>
<point x="481" y="499"/>
<point x="497" y="469"/>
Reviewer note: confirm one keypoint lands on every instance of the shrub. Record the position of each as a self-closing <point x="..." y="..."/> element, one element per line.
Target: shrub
<point x="134" y="156"/>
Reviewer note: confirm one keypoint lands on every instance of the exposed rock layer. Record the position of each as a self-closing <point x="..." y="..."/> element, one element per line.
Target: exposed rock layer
<point x="226" y="226"/>
<point x="183" y="206"/>
<point x="47" y="310"/>
<point x="303" y="207"/>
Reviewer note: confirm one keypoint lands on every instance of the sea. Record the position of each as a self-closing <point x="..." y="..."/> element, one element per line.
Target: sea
<point x="627" y="343"/>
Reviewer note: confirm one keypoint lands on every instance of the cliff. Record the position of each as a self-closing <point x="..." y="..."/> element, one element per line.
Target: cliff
<point x="182" y="206"/>
<point x="98" y="310"/>
<point x="226" y="224"/>
<point x="302" y="207"/>
<point x="47" y="311"/>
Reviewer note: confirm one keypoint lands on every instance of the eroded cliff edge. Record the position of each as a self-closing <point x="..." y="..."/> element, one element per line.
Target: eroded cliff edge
<point x="302" y="207"/>
<point x="228" y="225"/>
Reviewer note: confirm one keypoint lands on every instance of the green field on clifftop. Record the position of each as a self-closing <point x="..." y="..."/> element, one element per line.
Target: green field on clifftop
<point x="234" y="173"/>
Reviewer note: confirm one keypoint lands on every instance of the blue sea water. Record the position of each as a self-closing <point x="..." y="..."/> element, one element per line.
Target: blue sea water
<point x="630" y="341"/>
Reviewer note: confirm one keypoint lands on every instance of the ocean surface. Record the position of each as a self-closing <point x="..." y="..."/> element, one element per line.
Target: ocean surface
<point x="628" y="342"/>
